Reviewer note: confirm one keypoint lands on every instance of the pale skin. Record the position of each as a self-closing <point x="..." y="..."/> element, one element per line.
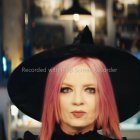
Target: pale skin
<point x="78" y="94"/>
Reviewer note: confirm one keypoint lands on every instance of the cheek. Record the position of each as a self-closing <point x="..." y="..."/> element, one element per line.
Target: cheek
<point x="92" y="115"/>
<point x="64" y="106"/>
<point x="91" y="104"/>
<point x="63" y="101"/>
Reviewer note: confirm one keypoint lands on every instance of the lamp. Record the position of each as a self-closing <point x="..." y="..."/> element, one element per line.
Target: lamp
<point x="75" y="12"/>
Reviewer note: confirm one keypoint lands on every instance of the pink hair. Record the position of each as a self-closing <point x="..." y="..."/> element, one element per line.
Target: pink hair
<point x="107" y="115"/>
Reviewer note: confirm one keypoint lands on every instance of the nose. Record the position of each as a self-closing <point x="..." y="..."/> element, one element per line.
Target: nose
<point x="78" y="99"/>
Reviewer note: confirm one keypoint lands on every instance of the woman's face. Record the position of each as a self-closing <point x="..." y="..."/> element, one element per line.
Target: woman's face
<point x="77" y="99"/>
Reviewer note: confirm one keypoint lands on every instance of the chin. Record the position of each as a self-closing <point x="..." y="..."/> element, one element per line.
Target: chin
<point x="78" y="124"/>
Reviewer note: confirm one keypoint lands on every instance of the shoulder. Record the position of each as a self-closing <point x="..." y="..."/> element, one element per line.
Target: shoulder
<point x="29" y="136"/>
<point x="102" y="137"/>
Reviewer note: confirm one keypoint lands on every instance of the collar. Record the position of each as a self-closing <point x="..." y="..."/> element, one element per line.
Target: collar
<point x="60" y="135"/>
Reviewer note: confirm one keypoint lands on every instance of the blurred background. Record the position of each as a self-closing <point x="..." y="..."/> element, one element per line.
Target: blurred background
<point x="28" y="27"/>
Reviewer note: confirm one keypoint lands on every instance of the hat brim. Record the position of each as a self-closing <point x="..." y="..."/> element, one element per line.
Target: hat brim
<point x="27" y="83"/>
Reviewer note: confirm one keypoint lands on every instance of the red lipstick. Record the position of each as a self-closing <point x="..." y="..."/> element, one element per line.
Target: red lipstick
<point x="78" y="114"/>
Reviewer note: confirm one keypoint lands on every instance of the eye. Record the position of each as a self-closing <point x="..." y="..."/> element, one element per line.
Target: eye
<point x="90" y="90"/>
<point x="65" y="90"/>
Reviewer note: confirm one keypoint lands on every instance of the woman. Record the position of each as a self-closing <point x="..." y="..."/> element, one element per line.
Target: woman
<point x="79" y="104"/>
<point x="79" y="97"/>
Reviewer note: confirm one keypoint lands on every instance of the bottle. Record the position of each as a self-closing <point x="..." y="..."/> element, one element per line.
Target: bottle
<point x="5" y="68"/>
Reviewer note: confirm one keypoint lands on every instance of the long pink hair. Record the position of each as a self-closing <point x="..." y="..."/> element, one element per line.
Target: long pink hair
<point x="107" y="115"/>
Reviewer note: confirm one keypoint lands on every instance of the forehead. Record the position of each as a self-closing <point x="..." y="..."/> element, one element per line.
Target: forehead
<point x="80" y="74"/>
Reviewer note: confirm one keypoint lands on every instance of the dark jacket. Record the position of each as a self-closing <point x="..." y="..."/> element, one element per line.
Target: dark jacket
<point x="60" y="135"/>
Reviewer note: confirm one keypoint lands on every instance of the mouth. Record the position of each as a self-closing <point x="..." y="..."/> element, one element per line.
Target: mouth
<point x="78" y="114"/>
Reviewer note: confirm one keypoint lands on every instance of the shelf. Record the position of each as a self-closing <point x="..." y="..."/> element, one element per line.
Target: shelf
<point x="127" y="21"/>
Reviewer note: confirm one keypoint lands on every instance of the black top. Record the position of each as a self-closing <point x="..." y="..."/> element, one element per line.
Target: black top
<point x="60" y="135"/>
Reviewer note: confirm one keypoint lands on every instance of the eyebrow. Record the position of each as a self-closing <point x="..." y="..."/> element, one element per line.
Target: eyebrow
<point x="72" y="85"/>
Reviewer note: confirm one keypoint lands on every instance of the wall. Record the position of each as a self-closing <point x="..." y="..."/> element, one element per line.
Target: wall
<point x="111" y="29"/>
<point x="4" y="102"/>
<point x="13" y="21"/>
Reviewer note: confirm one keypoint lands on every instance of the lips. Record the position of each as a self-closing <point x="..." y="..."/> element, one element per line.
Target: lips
<point x="78" y="114"/>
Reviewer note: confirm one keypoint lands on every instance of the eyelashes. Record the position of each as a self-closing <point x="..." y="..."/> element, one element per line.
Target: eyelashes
<point x="90" y="90"/>
<point x="65" y="90"/>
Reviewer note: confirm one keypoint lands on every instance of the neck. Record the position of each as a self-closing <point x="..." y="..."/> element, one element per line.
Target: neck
<point x="76" y="130"/>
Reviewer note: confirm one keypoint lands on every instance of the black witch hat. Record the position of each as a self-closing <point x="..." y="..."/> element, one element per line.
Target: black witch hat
<point x="27" y="82"/>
